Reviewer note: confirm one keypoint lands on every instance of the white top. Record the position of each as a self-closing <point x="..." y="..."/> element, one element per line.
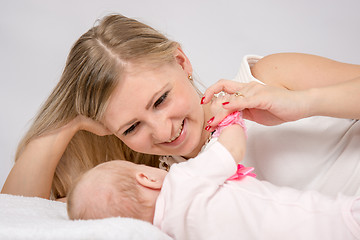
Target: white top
<point x="196" y="202"/>
<point x="317" y="153"/>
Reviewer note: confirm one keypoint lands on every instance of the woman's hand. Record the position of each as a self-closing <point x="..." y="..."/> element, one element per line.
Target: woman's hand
<point x="267" y="105"/>
<point x="87" y="124"/>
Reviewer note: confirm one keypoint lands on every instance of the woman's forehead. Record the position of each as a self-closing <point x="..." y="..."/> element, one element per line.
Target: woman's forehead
<point x="137" y="76"/>
<point x="140" y="68"/>
<point x="142" y="85"/>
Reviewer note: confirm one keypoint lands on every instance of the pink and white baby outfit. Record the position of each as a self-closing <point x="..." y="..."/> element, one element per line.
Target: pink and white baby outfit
<point x="198" y="202"/>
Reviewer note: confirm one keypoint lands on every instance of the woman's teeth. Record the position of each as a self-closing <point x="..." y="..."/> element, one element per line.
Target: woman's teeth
<point x="178" y="133"/>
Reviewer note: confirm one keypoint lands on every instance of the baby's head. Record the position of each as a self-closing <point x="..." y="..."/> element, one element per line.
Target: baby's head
<point x="116" y="188"/>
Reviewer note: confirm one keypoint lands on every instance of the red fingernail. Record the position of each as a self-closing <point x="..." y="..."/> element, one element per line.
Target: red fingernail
<point x="202" y="100"/>
<point x="207" y="128"/>
<point x="224" y="103"/>
<point x="210" y="121"/>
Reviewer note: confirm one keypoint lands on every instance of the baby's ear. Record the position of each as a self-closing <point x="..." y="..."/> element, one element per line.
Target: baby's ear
<point x="148" y="181"/>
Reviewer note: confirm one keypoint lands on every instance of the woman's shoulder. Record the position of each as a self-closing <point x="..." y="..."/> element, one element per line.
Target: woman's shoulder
<point x="279" y="68"/>
<point x="274" y="69"/>
<point x="299" y="71"/>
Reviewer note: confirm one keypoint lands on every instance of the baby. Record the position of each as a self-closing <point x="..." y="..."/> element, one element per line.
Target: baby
<point x="212" y="197"/>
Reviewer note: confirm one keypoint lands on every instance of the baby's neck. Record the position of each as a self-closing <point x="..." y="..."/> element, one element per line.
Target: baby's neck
<point x="149" y="216"/>
<point x="150" y="197"/>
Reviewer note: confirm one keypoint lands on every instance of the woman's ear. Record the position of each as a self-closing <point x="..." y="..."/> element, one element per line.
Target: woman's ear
<point x="183" y="60"/>
<point x="148" y="181"/>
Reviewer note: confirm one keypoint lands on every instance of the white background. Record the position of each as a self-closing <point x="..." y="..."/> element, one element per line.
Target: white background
<point x="36" y="35"/>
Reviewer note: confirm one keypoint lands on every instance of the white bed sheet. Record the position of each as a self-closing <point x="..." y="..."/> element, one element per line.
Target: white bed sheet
<point x="37" y="218"/>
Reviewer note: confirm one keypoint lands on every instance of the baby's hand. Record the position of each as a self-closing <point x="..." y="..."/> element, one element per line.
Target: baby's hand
<point x="217" y="109"/>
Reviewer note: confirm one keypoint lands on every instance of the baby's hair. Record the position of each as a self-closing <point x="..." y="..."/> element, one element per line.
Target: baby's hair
<point x="103" y="192"/>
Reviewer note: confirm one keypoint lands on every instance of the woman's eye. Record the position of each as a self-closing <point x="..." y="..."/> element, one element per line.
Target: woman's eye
<point x="161" y="99"/>
<point x="156" y="104"/>
<point x="131" y="128"/>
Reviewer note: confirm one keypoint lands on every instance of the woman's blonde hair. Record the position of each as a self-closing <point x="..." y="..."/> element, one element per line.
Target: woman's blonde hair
<point x="95" y="64"/>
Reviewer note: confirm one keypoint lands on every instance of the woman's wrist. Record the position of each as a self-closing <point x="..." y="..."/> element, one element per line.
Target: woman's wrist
<point x="310" y="103"/>
<point x="318" y="103"/>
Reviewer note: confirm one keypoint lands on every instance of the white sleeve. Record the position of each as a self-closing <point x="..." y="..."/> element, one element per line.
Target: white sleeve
<point x="216" y="164"/>
<point x="244" y="74"/>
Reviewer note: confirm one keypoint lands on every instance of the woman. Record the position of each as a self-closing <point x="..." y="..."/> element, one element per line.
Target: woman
<point x="125" y="86"/>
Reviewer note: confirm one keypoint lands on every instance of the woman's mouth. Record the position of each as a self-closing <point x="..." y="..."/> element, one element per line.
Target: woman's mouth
<point x="178" y="134"/>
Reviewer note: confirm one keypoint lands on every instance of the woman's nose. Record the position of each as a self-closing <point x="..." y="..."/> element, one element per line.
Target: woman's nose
<point x="161" y="130"/>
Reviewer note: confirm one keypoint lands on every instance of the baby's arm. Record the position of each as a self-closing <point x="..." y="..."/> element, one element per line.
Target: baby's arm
<point x="233" y="138"/>
<point x="231" y="129"/>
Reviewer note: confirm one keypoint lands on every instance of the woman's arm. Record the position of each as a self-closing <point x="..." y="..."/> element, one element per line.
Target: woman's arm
<point x="339" y="100"/>
<point x="298" y="71"/>
<point x="33" y="171"/>
<point x="297" y="86"/>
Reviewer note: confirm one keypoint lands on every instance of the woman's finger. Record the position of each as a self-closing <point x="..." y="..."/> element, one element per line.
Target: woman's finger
<point x="93" y="126"/>
<point x="227" y="86"/>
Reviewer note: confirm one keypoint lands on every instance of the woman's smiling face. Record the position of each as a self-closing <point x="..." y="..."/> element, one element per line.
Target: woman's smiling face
<point x="157" y="110"/>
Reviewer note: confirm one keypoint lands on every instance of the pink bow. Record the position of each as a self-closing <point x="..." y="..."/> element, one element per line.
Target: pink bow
<point x="242" y="172"/>
<point x="233" y="118"/>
